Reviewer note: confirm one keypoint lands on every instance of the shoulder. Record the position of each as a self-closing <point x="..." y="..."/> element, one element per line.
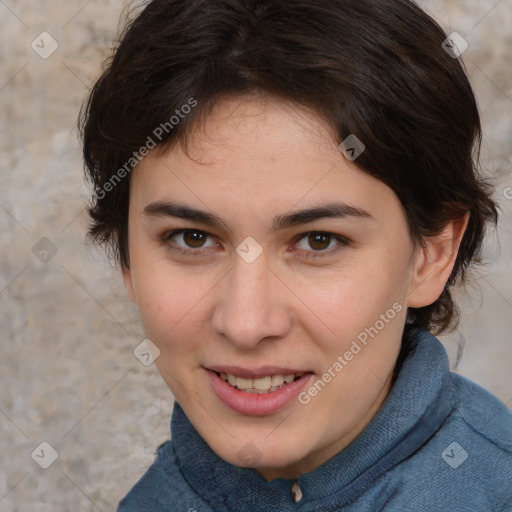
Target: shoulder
<point x="484" y="414"/>
<point x="162" y="487"/>
<point x="467" y="464"/>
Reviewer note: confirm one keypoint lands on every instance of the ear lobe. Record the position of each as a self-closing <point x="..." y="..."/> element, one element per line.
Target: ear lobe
<point x="128" y="284"/>
<point x="434" y="264"/>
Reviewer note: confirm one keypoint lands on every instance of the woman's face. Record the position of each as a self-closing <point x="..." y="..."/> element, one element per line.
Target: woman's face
<point x="254" y="291"/>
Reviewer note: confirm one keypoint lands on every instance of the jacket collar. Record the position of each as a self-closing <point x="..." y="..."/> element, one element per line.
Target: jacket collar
<point x="417" y="405"/>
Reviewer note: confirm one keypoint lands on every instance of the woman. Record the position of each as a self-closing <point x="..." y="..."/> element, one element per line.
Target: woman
<point x="291" y="190"/>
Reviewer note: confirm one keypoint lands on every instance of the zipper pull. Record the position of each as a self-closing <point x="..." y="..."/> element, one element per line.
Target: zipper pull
<point x="296" y="491"/>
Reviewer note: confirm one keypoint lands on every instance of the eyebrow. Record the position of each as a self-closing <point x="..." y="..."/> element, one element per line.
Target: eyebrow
<point x="332" y="210"/>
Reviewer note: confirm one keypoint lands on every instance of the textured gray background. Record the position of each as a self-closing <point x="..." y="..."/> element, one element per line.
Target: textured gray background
<point x="68" y="374"/>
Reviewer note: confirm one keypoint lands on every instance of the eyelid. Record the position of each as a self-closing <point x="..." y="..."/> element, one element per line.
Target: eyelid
<point x="342" y="242"/>
<point x="318" y="232"/>
<point x="170" y="234"/>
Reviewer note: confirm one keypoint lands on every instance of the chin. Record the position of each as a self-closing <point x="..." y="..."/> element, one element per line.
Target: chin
<point x="259" y="454"/>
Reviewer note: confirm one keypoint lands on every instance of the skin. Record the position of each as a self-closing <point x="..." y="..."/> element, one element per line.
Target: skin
<point x="255" y="158"/>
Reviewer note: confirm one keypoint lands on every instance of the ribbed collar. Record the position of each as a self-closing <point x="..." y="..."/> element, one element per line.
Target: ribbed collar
<point x="417" y="405"/>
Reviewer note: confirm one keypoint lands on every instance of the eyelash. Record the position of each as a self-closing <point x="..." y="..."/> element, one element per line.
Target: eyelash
<point x="343" y="242"/>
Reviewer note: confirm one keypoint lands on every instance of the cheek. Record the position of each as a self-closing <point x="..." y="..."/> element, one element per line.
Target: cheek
<point x="349" y="301"/>
<point x="170" y="304"/>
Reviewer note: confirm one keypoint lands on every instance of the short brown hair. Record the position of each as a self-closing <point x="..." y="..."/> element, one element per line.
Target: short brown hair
<point x="375" y="69"/>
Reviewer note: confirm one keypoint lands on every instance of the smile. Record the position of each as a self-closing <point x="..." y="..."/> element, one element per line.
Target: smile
<point x="257" y="392"/>
<point x="261" y="385"/>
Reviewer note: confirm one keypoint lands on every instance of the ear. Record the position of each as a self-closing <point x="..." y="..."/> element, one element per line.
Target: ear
<point x="434" y="263"/>
<point x="128" y="283"/>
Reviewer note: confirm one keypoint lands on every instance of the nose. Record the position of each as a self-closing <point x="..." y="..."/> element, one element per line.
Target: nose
<point x="251" y="305"/>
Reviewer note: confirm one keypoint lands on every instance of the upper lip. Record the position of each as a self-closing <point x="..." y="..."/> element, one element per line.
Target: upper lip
<point x="254" y="373"/>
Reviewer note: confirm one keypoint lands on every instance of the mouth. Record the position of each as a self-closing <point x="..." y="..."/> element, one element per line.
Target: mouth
<point x="260" y="385"/>
<point x="257" y="392"/>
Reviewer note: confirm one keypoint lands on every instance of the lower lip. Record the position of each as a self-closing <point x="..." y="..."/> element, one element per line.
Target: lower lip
<point x="253" y="404"/>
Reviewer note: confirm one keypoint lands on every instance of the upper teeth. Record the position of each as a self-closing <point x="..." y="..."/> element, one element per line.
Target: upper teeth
<point x="259" y="385"/>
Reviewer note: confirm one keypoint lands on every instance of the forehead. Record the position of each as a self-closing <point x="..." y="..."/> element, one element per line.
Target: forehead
<point x="261" y="127"/>
<point x="260" y="155"/>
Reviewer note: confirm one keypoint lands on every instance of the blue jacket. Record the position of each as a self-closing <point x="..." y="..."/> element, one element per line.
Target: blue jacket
<point x="439" y="443"/>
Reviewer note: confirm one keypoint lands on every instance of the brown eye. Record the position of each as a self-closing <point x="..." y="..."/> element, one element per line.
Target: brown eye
<point x="317" y="244"/>
<point x="194" y="239"/>
<point x="188" y="241"/>
<point x="319" y="241"/>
